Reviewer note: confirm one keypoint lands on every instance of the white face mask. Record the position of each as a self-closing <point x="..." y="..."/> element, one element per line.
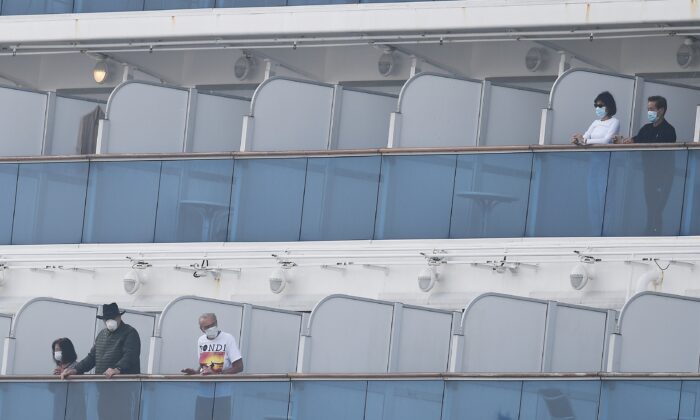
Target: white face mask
<point x="58" y="356"/>
<point x="212" y="332"/>
<point x="111" y="324"/>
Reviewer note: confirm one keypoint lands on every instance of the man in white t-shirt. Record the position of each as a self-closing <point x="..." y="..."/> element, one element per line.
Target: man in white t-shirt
<point x="217" y="350"/>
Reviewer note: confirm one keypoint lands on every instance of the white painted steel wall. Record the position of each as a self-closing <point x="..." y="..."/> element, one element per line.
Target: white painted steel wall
<point x="658" y="333"/>
<point x="355" y="335"/>
<point x="217" y="123"/>
<point x="510" y="116"/>
<point x="502" y="333"/>
<point x="288" y="114"/>
<point x="436" y="111"/>
<point x="144" y="118"/>
<point x="22" y="118"/>
<point x="682" y="106"/>
<point x="571" y="102"/>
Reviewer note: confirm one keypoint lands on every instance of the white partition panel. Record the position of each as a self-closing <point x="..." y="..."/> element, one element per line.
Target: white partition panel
<point x="423" y="343"/>
<point x="217" y="123"/>
<point x="437" y="111"/>
<point x="511" y="115"/>
<point x="145" y="324"/>
<point x="364" y="119"/>
<point x="22" y="117"/>
<point x="145" y="118"/>
<point x="178" y="330"/>
<point x="288" y="114"/>
<point x="271" y="341"/>
<point x="69" y="120"/>
<point x="571" y="102"/>
<point x="5" y="324"/>
<point x="37" y="324"/>
<point x="578" y="338"/>
<point x="658" y="333"/>
<point x="682" y="105"/>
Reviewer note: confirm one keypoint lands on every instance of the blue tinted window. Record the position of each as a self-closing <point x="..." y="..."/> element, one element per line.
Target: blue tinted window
<point x="267" y="199"/>
<point x="8" y="189"/>
<point x="121" y="202"/>
<point x="340" y="199"/>
<point x="249" y="3"/>
<point x="415" y="197"/>
<point x="193" y="201"/>
<point x="34" y="400"/>
<point x="639" y="400"/>
<point x="26" y="7"/>
<point x="177" y="400"/>
<point x="251" y="400"/>
<point x="498" y="400"/>
<point x="690" y="400"/>
<point x="691" y="199"/>
<point x="82" y="6"/>
<point x="103" y="400"/>
<point x="567" y="194"/>
<point x="303" y="2"/>
<point x="491" y="193"/>
<point x="177" y="4"/>
<point x="555" y="400"/>
<point x="323" y="400"/>
<point x="405" y="400"/>
<point x="50" y="203"/>
<point x="645" y="193"/>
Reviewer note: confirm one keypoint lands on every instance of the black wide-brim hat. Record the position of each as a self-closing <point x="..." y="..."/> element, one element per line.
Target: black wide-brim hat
<point x="110" y="311"/>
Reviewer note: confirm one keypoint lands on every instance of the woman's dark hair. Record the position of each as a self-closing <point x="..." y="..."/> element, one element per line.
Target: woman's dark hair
<point x="67" y="350"/>
<point x="609" y="101"/>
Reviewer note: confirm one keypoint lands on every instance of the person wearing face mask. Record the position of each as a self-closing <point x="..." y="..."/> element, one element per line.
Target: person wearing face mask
<point x="657" y="130"/>
<point x="604" y="129"/>
<point x="63" y="355"/>
<point x="217" y="350"/>
<point x="117" y="348"/>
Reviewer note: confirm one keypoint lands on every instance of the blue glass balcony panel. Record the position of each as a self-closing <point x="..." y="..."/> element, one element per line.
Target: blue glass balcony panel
<point x="305" y="2"/>
<point x="177" y="400"/>
<point x="405" y="400"/>
<point x="103" y="401"/>
<point x="178" y="4"/>
<point x="340" y="198"/>
<point x="567" y="194"/>
<point x="415" y="197"/>
<point x="267" y="198"/>
<point x="32" y="400"/>
<point x="690" y="221"/>
<point x="8" y="189"/>
<point x="555" y="400"/>
<point x="690" y="400"/>
<point x="478" y="400"/>
<point x="194" y="201"/>
<point x="121" y="202"/>
<point x="36" y="7"/>
<point x="491" y="195"/>
<point x="89" y="6"/>
<point x="639" y="400"/>
<point x="323" y="400"/>
<point x="250" y="3"/>
<point x="50" y="203"/>
<point x="645" y="193"/>
<point x="251" y="400"/>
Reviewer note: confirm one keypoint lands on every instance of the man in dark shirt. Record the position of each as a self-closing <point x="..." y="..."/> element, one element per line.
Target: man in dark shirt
<point x="658" y="130"/>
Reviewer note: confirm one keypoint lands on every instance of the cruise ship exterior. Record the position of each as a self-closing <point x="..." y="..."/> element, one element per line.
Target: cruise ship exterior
<point x="384" y="202"/>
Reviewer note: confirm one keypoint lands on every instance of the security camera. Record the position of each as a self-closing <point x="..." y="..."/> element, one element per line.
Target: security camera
<point x="427" y="278"/>
<point x="133" y="280"/>
<point x="580" y="275"/>
<point x="278" y="280"/>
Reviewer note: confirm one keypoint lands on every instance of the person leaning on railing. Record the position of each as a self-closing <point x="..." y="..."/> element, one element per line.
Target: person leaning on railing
<point x="658" y="130"/>
<point x="217" y="350"/>
<point x="606" y="127"/>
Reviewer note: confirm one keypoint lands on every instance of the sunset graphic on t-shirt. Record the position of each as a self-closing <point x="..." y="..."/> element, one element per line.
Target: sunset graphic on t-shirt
<point x="214" y="360"/>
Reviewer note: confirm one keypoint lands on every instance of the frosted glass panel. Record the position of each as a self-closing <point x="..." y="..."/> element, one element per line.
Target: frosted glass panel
<point x="8" y="189"/>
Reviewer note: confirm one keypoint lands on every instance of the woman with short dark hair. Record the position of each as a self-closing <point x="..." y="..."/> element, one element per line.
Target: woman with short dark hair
<point x="606" y="127"/>
<point x="63" y="355"/>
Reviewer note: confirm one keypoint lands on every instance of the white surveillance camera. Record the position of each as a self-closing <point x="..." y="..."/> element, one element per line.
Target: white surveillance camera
<point x="427" y="278"/>
<point x="278" y="281"/>
<point x="133" y="280"/>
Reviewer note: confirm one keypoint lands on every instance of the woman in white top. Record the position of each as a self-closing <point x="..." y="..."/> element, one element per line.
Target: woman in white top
<point x="606" y="127"/>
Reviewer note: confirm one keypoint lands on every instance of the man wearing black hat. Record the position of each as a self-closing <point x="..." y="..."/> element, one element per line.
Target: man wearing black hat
<point x="117" y="348"/>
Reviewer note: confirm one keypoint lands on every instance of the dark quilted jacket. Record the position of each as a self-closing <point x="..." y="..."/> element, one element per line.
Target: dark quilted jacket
<point x="119" y="349"/>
